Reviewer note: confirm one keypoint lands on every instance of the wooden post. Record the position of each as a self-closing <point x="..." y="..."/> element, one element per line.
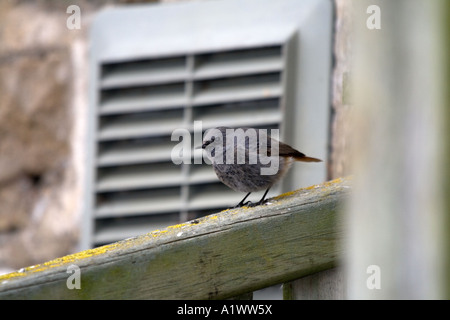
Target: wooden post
<point x="446" y="143"/>
<point x="324" y="285"/>
<point x="397" y="244"/>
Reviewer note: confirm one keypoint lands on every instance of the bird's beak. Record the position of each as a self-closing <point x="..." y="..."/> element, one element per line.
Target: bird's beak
<point x="199" y="147"/>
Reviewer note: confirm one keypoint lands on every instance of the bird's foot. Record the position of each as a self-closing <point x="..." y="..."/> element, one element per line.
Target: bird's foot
<point x="263" y="202"/>
<point x="254" y="204"/>
<point x="242" y="204"/>
<point x="250" y="204"/>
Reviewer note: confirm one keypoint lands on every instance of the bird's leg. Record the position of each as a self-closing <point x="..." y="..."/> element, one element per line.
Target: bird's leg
<point x="240" y="204"/>
<point x="260" y="201"/>
<point x="264" y="196"/>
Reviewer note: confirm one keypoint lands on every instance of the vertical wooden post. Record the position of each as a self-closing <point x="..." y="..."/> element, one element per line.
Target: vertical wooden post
<point x="446" y="142"/>
<point x="396" y="238"/>
<point x="324" y="285"/>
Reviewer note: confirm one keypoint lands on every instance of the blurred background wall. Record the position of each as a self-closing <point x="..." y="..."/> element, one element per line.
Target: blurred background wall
<point x="43" y="101"/>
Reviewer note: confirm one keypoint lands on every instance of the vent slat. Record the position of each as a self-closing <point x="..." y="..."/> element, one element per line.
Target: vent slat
<point x="138" y="177"/>
<point x="267" y="118"/>
<point x="147" y="72"/>
<point x="134" y="152"/>
<point x="139" y="203"/>
<point x="249" y="113"/>
<point x="243" y="117"/>
<point x="140" y="125"/>
<point x="242" y="62"/>
<point x="237" y="89"/>
<point x="142" y="99"/>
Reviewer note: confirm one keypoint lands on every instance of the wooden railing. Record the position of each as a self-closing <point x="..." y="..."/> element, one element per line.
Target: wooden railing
<point x="219" y="256"/>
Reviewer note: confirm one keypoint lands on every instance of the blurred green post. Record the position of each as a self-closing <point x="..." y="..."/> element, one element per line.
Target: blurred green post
<point x="398" y="224"/>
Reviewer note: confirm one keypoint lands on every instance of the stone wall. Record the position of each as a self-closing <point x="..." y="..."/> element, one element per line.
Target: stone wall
<point x="43" y="101"/>
<point x="43" y="97"/>
<point x="38" y="182"/>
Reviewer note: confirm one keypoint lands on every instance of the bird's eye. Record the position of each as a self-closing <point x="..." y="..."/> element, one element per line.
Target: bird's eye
<point x="207" y="143"/>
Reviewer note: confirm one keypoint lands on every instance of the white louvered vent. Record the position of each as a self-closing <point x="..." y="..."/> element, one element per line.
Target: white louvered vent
<point x="142" y="102"/>
<point x="157" y="68"/>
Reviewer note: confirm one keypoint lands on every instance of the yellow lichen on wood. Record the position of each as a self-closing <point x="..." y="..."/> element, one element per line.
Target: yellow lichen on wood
<point x="72" y="258"/>
<point x="77" y="257"/>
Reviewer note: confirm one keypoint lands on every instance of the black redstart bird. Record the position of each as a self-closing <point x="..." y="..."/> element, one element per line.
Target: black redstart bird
<point x="248" y="159"/>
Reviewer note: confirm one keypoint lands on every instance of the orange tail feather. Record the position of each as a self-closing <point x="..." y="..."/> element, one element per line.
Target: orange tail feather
<point x="306" y="159"/>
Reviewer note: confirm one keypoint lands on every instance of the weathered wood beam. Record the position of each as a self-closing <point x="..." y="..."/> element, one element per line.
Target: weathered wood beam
<point x="218" y="256"/>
